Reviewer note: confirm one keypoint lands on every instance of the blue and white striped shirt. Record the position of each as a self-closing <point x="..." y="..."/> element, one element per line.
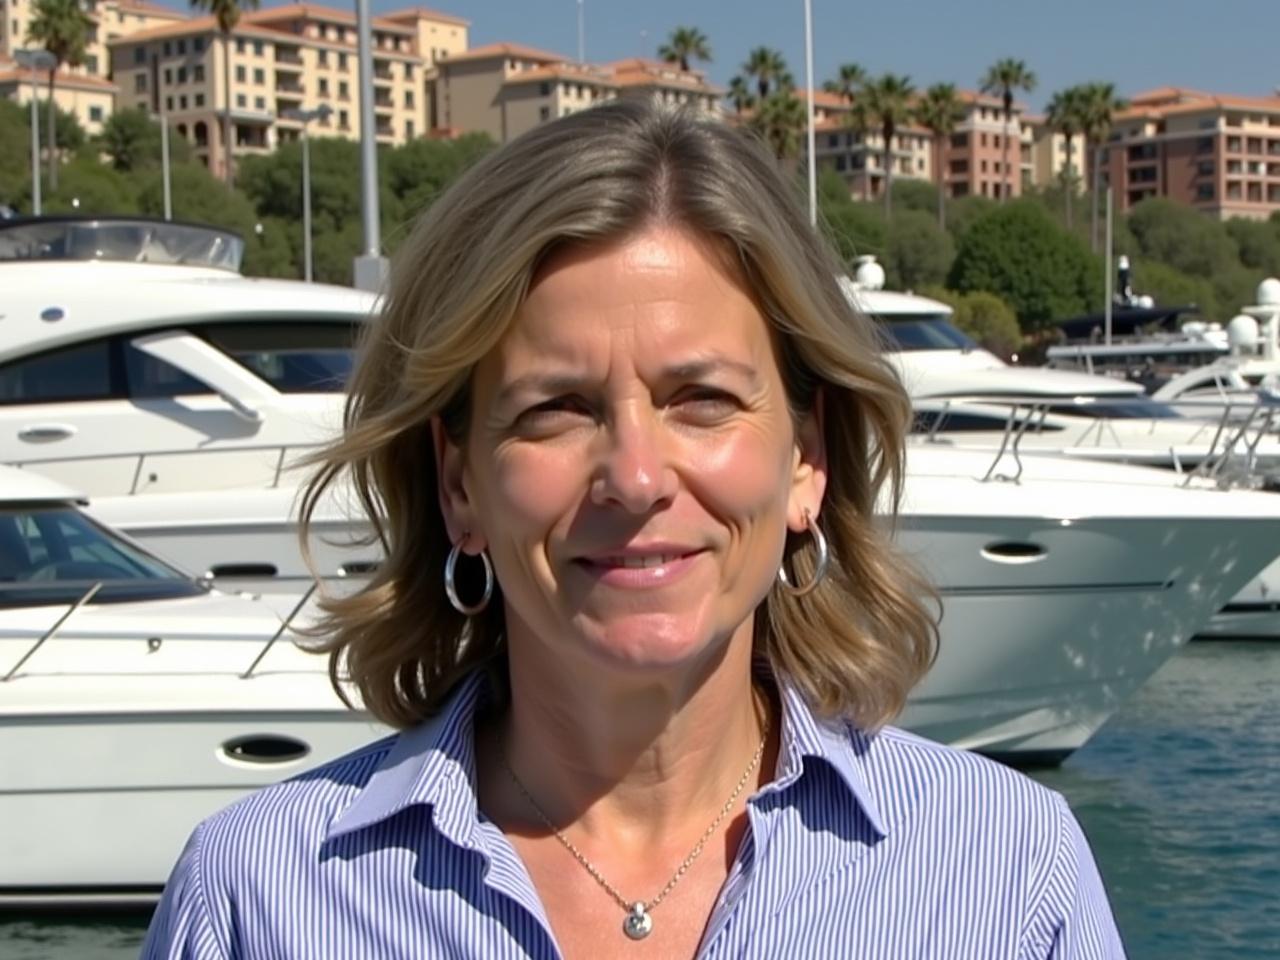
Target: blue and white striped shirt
<point x="884" y="846"/>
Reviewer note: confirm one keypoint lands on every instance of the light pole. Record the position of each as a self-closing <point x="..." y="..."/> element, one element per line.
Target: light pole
<point x="321" y="112"/>
<point x="370" y="268"/>
<point x="808" y="106"/>
<point x="35" y="61"/>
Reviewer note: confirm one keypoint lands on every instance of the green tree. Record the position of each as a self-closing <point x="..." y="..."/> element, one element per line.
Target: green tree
<point x="1098" y="106"/>
<point x="1017" y="252"/>
<point x="1258" y="242"/>
<point x="62" y="28"/>
<point x="1182" y="238"/>
<point x="860" y="121"/>
<point x="1066" y="116"/>
<point x="779" y="121"/>
<point x="421" y="169"/>
<point x="984" y="317"/>
<point x="90" y="187"/>
<point x="1174" y="288"/>
<point x="966" y="211"/>
<point x="854" y="229"/>
<point x="685" y="44"/>
<point x="768" y="69"/>
<point x="132" y="141"/>
<point x="227" y="14"/>
<point x="15" y="155"/>
<point x="1004" y="79"/>
<point x="740" y="96"/>
<point x="911" y="193"/>
<point x="917" y="251"/>
<point x="889" y="104"/>
<point x="939" y="111"/>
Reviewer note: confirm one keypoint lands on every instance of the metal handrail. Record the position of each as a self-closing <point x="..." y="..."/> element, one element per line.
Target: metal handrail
<point x="279" y="633"/>
<point x="88" y="595"/>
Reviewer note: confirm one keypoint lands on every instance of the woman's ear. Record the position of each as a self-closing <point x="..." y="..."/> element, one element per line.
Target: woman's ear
<point x="455" y="505"/>
<point x="809" y="478"/>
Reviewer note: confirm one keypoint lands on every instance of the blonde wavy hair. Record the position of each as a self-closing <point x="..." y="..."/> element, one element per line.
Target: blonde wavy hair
<point x="855" y="646"/>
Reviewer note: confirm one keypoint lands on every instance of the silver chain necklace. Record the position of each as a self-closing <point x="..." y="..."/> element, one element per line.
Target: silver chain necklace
<point x="639" y="921"/>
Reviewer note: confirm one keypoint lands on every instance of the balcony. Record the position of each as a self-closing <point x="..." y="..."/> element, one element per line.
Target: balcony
<point x="383" y="100"/>
<point x="289" y="58"/>
<point x="287" y="84"/>
<point x="382" y="72"/>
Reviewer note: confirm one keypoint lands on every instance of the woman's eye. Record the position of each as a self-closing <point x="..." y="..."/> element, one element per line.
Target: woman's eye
<point x="554" y="411"/>
<point x="707" y="403"/>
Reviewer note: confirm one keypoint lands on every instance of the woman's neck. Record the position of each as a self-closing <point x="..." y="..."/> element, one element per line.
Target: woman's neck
<point x="622" y="757"/>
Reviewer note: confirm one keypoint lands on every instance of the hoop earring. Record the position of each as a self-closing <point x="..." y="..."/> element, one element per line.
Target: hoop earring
<point x="451" y="586"/>
<point x="820" y="570"/>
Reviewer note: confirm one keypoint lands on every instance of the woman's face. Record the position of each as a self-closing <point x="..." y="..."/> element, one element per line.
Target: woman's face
<point x="631" y="463"/>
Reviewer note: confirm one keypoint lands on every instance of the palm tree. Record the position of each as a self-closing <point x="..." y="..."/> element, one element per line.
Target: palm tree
<point x="1066" y="116"/>
<point x="1098" y="104"/>
<point x="62" y="28"/>
<point x="779" y="122"/>
<point x="860" y="122"/>
<point x="889" y="105"/>
<point x="227" y="13"/>
<point x="768" y="68"/>
<point x="849" y="81"/>
<point x="740" y="96"/>
<point x="1004" y="78"/>
<point x="685" y="43"/>
<point x="940" y="110"/>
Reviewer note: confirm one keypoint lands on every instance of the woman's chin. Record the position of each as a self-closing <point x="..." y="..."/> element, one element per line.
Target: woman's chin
<point x="650" y="643"/>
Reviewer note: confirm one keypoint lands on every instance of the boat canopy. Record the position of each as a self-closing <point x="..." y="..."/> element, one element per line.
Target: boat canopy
<point x="1125" y="321"/>
<point x="120" y="239"/>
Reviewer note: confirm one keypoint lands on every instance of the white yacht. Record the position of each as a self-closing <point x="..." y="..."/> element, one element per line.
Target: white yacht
<point x="153" y="375"/>
<point x="134" y="702"/>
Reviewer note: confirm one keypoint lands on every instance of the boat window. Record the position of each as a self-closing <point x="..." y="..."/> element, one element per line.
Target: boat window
<point x="1126" y="408"/>
<point x="54" y="554"/>
<point x="926" y="331"/>
<point x="958" y="421"/>
<point x="80" y="372"/>
<point x="150" y="377"/>
<point x="294" y="356"/>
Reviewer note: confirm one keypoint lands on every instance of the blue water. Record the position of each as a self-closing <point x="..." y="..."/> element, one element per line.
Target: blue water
<point x="1179" y="793"/>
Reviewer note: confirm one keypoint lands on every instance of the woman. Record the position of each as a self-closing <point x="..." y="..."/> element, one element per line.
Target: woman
<point x="623" y="438"/>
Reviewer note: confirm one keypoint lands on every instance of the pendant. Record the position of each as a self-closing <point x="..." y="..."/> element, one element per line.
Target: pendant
<point x="638" y="922"/>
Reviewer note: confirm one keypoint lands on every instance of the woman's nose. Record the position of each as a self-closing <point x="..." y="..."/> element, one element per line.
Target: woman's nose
<point x="634" y="470"/>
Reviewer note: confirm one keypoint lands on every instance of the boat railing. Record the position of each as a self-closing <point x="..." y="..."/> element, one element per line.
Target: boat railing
<point x="154" y="643"/>
<point x="280" y="452"/>
<point x="1231" y="458"/>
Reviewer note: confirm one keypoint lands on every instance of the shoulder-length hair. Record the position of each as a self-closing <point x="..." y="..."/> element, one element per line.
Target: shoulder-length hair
<point x="855" y="646"/>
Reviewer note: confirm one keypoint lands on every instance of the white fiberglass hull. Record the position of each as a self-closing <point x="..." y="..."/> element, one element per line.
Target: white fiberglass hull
<point x="1253" y="613"/>
<point x="105" y="776"/>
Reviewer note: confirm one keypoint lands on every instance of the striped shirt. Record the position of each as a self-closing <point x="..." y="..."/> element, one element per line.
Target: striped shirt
<point x="864" y="846"/>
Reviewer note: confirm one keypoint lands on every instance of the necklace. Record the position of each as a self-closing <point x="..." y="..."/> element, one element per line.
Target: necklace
<point x="639" y="920"/>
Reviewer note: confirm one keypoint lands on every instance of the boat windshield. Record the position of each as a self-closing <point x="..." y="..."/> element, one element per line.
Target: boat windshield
<point x="926" y="331"/>
<point x="120" y="239"/>
<point x="1136" y="407"/>
<point x="52" y="554"/>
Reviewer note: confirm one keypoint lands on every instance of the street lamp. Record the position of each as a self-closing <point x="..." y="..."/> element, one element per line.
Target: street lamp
<point x="321" y="112"/>
<point x="35" y="61"/>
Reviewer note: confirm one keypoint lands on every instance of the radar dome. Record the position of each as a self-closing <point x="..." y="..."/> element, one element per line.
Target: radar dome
<point x="869" y="275"/>
<point x="1146" y="301"/>
<point x="1269" y="292"/>
<point x="1242" y="333"/>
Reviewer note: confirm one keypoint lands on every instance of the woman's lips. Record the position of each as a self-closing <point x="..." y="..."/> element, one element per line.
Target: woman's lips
<point x="638" y="570"/>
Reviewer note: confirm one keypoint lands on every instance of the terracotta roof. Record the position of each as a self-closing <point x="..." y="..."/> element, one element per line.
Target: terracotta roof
<point x="194" y="26"/>
<point x="824" y="99"/>
<point x="150" y="9"/>
<point x="501" y="50"/>
<point x="422" y="13"/>
<point x="641" y="72"/>
<point x="75" y="81"/>
<point x="563" y="71"/>
<point x="307" y="11"/>
<point x="1149" y="106"/>
<point x="839" y="124"/>
<point x="977" y="97"/>
<point x="1165" y="95"/>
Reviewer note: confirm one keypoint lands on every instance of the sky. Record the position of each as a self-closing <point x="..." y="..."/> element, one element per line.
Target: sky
<point x="1229" y="46"/>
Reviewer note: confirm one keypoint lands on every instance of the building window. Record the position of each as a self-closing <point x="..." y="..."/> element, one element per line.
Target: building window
<point x="342" y="61"/>
<point x="982" y="166"/>
<point x="1254" y="145"/>
<point x="257" y="48"/>
<point x="344" y="90"/>
<point x="1234" y="190"/>
<point x="544" y="113"/>
<point x="240" y="45"/>
<point x="323" y="87"/>
<point x="259" y="75"/>
<point x="92" y="63"/>
<point x="959" y="141"/>
<point x="139" y="83"/>
<point x="408" y="129"/>
<point x="182" y="48"/>
<point x="139" y="55"/>
<point x="168" y="77"/>
<point x="1233" y="144"/>
<point x="1143" y="175"/>
<point x="241" y="100"/>
<point x="197" y="73"/>
<point x="408" y="99"/>
<point x="544" y="89"/>
<point x="182" y="74"/>
<point x="342" y="119"/>
<point x="199" y="99"/>
<point x="197" y="44"/>
<point x="1205" y="168"/>
<point x="168" y="103"/>
<point x="982" y="139"/>
<point x="168" y="49"/>
<point x="95" y="114"/>
<point x="408" y="71"/>
<point x="241" y="74"/>
<point x="1254" y="192"/>
<point x="260" y="103"/>
<point x="323" y="58"/>
<point x="182" y="102"/>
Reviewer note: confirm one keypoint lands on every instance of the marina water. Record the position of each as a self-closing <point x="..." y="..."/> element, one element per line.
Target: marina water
<point x="1179" y="794"/>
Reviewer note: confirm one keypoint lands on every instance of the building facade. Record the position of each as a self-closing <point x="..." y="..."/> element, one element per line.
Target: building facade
<point x="1215" y="152"/>
<point x="90" y="99"/>
<point x="857" y="157"/>
<point x="974" y="158"/>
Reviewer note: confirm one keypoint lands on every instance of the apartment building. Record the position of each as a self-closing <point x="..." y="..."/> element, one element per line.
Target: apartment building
<point x="859" y="157"/>
<point x="1218" y="153"/>
<point x="91" y="99"/>
<point x="504" y="89"/>
<point x="974" y="156"/>
<point x="1050" y="158"/>
<point x="281" y="60"/>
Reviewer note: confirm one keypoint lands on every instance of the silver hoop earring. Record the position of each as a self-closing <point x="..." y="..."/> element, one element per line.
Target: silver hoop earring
<point x="451" y="586"/>
<point x="819" y="570"/>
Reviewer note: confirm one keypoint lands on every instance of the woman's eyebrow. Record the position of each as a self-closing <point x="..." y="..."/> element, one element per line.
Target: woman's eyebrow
<point x="698" y="369"/>
<point x="540" y="384"/>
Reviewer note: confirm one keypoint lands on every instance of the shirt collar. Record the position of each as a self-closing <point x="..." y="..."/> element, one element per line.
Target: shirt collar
<point x="427" y="760"/>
